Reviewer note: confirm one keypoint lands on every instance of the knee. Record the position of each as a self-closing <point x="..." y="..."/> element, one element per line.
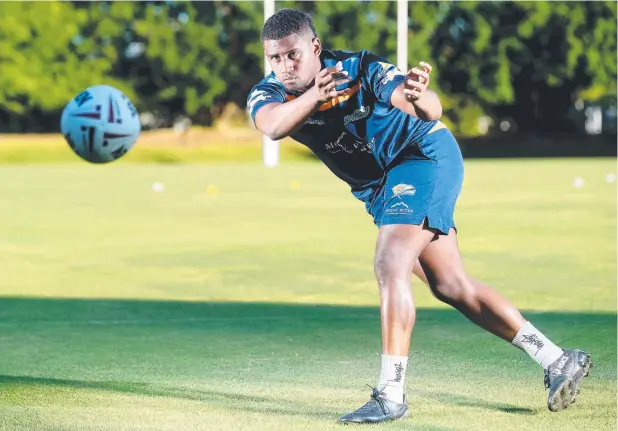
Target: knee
<point x="391" y="270"/>
<point x="397" y="249"/>
<point x="454" y="289"/>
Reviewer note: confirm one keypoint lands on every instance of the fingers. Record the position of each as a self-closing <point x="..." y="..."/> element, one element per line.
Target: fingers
<point x="332" y="77"/>
<point x="333" y="69"/>
<point x="414" y="85"/>
<point x="324" y="72"/>
<point x="416" y="81"/>
<point x="339" y="75"/>
<point x="330" y="73"/>
<point x="340" y="79"/>
<point x="334" y="94"/>
<point x="412" y="94"/>
<point x="328" y="79"/>
<point x="333" y="84"/>
<point x="426" y="66"/>
<point x="422" y="75"/>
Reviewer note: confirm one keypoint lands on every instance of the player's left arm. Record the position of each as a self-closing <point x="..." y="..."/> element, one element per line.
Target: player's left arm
<point x="413" y="96"/>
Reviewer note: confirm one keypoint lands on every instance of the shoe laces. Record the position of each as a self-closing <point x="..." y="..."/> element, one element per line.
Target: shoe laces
<point x="376" y="398"/>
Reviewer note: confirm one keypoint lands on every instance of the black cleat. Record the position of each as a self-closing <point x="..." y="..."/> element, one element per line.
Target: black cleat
<point x="377" y="409"/>
<point x="562" y="378"/>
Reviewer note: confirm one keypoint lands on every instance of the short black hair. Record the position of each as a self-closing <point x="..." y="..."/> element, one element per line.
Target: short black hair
<point x="286" y="22"/>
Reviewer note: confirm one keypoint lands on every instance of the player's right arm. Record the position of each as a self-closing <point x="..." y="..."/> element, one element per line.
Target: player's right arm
<point x="277" y="118"/>
<point x="281" y="119"/>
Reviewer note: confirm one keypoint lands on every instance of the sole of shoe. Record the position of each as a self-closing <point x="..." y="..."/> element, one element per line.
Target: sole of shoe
<point x="583" y="372"/>
<point x="405" y="415"/>
<point x="568" y="390"/>
<point x="562" y="397"/>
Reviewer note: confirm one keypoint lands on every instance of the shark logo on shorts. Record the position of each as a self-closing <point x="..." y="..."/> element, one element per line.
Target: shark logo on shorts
<point x="400" y="207"/>
<point x="404" y="189"/>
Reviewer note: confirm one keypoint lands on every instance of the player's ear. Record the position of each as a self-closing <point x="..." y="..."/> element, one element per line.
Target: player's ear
<point x="317" y="46"/>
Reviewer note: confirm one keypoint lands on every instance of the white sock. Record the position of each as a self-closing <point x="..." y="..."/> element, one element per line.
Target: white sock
<point x="534" y="343"/>
<point x="392" y="376"/>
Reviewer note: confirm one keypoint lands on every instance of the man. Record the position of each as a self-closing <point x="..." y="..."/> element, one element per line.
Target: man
<point x="379" y="130"/>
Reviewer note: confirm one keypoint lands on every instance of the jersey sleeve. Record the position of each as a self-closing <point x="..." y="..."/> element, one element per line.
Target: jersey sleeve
<point x="263" y="94"/>
<point x="380" y="76"/>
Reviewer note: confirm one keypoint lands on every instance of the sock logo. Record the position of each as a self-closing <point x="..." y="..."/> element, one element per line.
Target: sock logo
<point x="398" y="373"/>
<point x="533" y="340"/>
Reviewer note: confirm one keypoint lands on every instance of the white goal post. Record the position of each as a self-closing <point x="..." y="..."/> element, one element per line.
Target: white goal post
<point x="270" y="148"/>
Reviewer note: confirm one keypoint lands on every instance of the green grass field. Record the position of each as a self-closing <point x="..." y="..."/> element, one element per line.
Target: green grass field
<point x="251" y="304"/>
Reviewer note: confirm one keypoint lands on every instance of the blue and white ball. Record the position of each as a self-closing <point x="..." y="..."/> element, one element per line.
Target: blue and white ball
<point x="100" y="124"/>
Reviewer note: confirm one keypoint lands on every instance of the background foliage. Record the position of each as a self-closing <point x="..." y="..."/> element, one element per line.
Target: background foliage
<point x="528" y="62"/>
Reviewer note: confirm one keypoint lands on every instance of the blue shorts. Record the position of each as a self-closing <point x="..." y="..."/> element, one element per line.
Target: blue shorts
<point x="423" y="183"/>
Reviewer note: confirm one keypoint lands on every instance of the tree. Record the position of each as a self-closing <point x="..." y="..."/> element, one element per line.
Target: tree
<point x="169" y="52"/>
<point x="528" y="61"/>
<point x="40" y="70"/>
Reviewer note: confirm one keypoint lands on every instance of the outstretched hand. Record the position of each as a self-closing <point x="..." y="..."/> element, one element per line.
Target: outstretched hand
<point x="416" y="81"/>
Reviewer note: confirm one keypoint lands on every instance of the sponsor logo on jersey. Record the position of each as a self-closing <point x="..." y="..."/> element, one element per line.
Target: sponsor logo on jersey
<point x="361" y="112"/>
<point x="390" y="71"/>
<point x="337" y="146"/>
<point x="349" y="147"/>
<point x="316" y="121"/>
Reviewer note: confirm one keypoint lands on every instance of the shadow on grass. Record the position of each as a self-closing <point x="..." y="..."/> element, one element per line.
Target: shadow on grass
<point x="466" y="401"/>
<point x="294" y="341"/>
<point x="234" y="401"/>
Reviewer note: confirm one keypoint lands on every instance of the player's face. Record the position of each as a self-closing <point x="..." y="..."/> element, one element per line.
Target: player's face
<point x="295" y="59"/>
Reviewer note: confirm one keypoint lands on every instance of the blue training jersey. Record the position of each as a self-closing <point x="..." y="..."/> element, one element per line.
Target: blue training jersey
<point x="356" y="136"/>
